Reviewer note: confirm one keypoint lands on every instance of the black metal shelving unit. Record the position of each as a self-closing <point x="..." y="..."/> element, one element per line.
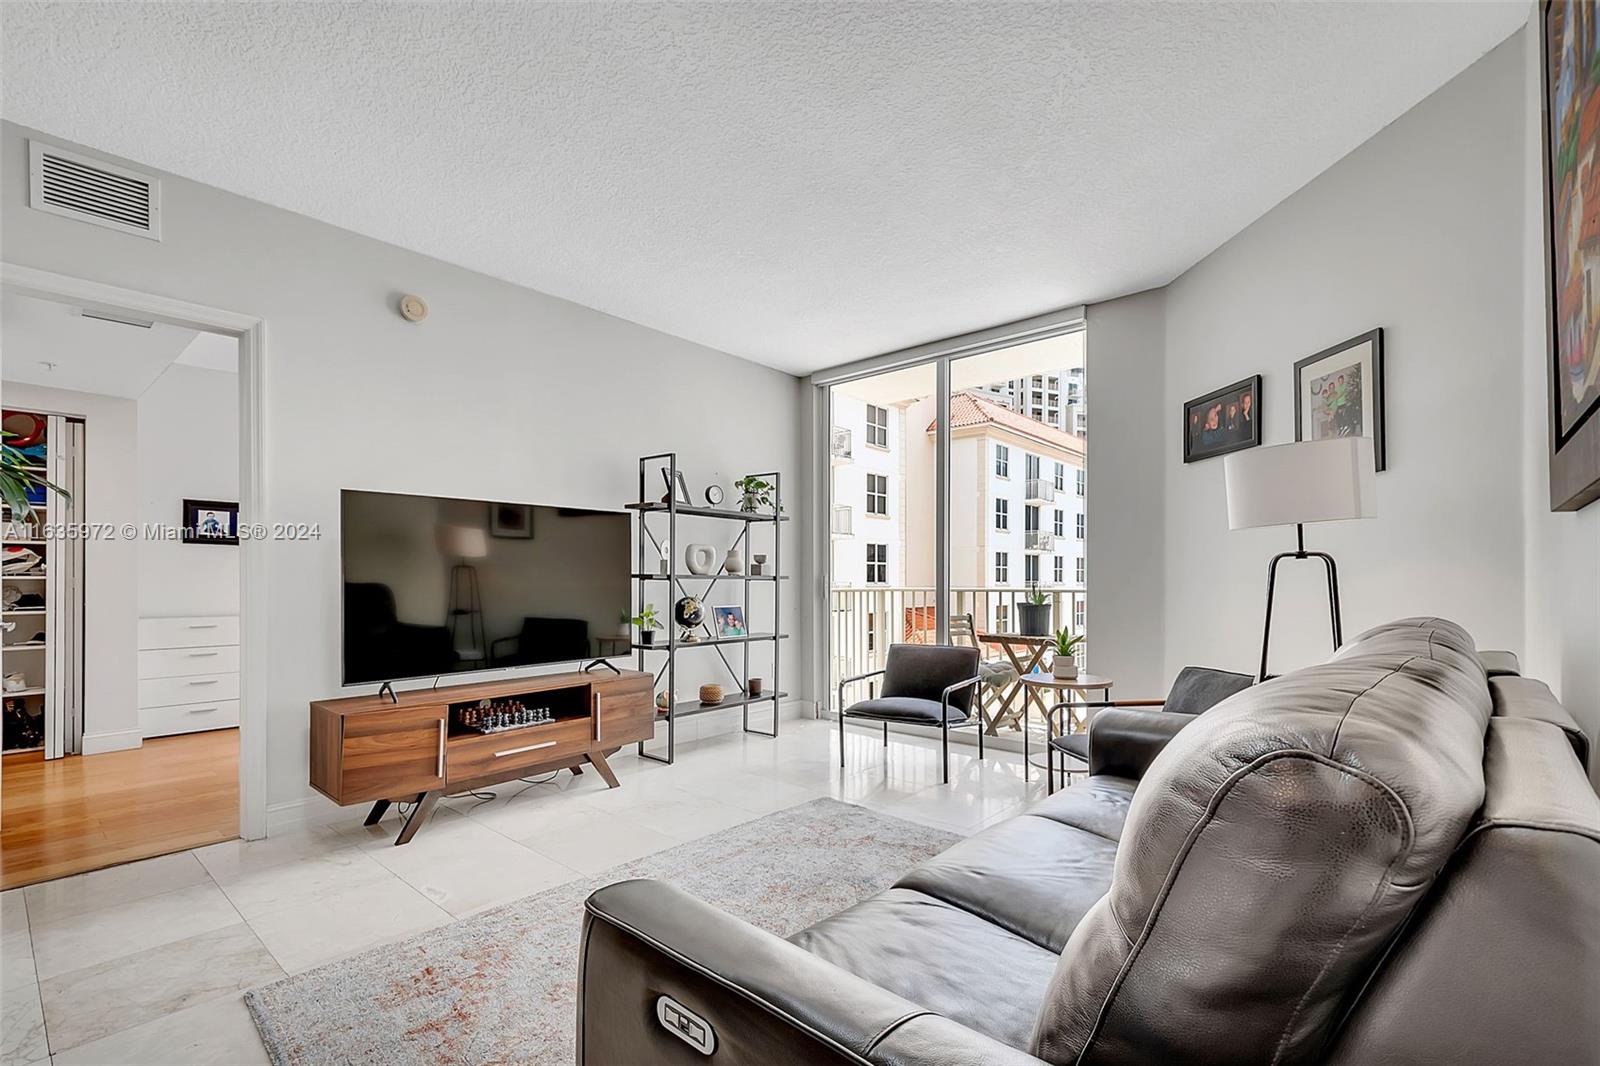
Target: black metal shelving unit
<point x="673" y="511"/>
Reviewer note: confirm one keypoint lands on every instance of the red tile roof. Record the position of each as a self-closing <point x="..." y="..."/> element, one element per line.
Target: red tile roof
<point x="967" y="410"/>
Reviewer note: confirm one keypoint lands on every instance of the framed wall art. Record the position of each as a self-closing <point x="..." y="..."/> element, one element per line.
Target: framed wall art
<point x="1339" y="393"/>
<point x="1223" y="421"/>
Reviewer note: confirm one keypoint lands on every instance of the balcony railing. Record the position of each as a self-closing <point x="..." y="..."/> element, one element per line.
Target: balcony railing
<point x="863" y="622"/>
<point x="843" y="524"/>
<point x="1037" y="540"/>
<point x="839" y="444"/>
<point x="1040" y="490"/>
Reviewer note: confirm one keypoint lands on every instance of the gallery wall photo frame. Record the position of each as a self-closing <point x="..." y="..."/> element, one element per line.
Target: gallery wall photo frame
<point x="210" y="522"/>
<point x="1569" y="50"/>
<point x="1338" y="392"/>
<point x="1225" y="420"/>
<point x="511" y="521"/>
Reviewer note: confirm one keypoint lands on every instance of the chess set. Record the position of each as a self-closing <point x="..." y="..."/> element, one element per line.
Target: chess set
<point x="497" y="716"/>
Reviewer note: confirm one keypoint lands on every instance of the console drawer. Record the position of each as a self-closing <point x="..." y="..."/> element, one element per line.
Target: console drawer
<point x="499" y="754"/>
<point x="390" y="755"/>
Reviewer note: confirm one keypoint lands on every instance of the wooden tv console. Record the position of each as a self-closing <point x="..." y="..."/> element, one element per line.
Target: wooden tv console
<point x="370" y="749"/>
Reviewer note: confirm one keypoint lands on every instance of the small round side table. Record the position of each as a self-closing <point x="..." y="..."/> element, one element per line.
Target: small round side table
<point x="1079" y="687"/>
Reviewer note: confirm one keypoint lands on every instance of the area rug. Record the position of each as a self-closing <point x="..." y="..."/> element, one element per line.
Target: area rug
<point x="500" y="987"/>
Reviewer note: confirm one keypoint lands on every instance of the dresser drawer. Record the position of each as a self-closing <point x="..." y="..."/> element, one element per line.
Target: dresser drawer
<point x="500" y="754"/>
<point x="186" y="662"/>
<point x="188" y="718"/>
<point x="192" y="632"/>
<point x="201" y="688"/>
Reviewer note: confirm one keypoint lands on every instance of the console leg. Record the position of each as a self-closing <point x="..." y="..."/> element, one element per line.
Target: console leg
<point x="375" y="815"/>
<point x="419" y="814"/>
<point x="603" y="768"/>
<point x="577" y="771"/>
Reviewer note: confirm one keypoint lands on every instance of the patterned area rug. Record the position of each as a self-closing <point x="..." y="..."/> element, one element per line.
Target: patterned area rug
<point x="500" y="987"/>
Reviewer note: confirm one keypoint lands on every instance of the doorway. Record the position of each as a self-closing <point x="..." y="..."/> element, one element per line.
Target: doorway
<point x="166" y="753"/>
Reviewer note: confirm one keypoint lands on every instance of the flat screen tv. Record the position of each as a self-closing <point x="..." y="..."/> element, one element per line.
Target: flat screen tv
<point x="435" y="585"/>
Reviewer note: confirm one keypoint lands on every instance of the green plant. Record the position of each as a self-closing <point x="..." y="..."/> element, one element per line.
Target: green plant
<point x="1067" y="642"/>
<point x="646" y="618"/>
<point x="1035" y="596"/>
<point x="16" y="479"/>
<point x="755" y="493"/>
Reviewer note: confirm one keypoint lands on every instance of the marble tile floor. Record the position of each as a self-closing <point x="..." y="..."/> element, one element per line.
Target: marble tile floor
<point x="147" y="962"/>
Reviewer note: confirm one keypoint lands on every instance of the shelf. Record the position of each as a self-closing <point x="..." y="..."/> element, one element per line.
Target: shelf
<point x="10" y="540"/>
<point x="25" y="610"/>
<point x="684" y="708"/>
<point x="24" y="577"/>
<point x="707" y="642"/>
<point x="711" y="577"/>
<point x="24" y="751"/>
<point x="24" y="692"/>
<point x="707" y="512"/>
<point x="26" y="645"/>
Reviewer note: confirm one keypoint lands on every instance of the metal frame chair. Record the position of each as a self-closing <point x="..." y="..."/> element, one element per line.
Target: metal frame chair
<point x="946" y="707"/>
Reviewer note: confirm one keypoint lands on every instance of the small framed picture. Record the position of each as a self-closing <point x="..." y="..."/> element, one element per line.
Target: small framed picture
<point x="513" y="521"/>
<point x="730" y="621"/>
<point x="1224" y="421"/>
<point x="210" y="522"/>
<point x="676" y="486"/>
<point x="1339" y="393"/>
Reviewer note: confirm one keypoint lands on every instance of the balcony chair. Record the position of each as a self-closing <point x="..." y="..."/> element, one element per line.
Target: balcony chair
<point x="923" y="684"/>
<point x="1196" y="690"/>
<point x="995" y="673"/>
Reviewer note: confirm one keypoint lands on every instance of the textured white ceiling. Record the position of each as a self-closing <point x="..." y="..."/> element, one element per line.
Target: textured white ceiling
<point x="796" y="183"/>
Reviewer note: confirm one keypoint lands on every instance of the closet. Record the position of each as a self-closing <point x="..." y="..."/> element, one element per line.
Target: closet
<point x="41" y="591"/>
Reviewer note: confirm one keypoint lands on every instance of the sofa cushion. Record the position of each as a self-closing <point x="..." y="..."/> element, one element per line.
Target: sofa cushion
<point x="1271" y="851"/>
<point x="1523" y="697"/>
<point x="1098" y="805"/>
<point x="941" y="958"/>
<point x="1034" y="876"/>
<point x="904" y="709"/>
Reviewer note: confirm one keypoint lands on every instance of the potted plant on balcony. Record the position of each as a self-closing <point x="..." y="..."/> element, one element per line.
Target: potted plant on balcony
<point x="1065" y="663"/>
<point x="648" y="623"/>
<point x="1034" y="613"/>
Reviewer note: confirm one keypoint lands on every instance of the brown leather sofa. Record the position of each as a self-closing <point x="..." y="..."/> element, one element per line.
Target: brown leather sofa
<point x="1392" y="857"/>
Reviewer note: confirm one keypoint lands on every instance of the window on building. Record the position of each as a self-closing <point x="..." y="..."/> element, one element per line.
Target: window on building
<point x="1002" y="514"/>
<point x="1082" y="570"/>
<point x="878" y="426"/>
<point x="1030" y="569"/>
<point x="1080" y="525"/>
<point x="1030" y="466"/>
<point x="1002" y="567"/>
<point x="877" y="564"/>
<point x="1002" y="617"/>
<point x="1061" y="477"/>
<point x="1079" y="614"/>
<point x="1060" y="572"/>
<point x="1082" y="481"/>
<point x="878" y="494"/>
<point x="872" y="631"/>
<point x="1061" y="524"/>
<point x="1030" y="518"/>
<point x="1002" y="461"/>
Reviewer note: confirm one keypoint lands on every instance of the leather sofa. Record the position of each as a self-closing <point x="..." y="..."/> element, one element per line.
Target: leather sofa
<point x="1391" y="857"/>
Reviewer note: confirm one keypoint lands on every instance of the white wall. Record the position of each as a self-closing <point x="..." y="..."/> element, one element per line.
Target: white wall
<point x="110" y="564"/>
<point x="1418" y="231"/>
<point x="1126" y="351"/>
<point x="503" y="393"/>
<point x="188" y="448"/>
<point x="1562" y="558"/>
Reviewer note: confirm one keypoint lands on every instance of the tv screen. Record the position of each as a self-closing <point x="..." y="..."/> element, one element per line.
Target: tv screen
<point x="434" y="585"/>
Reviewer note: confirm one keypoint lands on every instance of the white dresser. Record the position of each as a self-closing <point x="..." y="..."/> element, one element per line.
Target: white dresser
<point x="188" y="674"/>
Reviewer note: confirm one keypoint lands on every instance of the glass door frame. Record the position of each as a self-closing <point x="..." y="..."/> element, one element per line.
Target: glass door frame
<point x="943" y="354"/>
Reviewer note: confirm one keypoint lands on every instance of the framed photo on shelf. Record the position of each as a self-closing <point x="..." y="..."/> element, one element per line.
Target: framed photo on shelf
<point x="676" y="486"/>
<point x="512" y="521"/>
<point x="210" y="522"/>
<point x="1223" y="421"/>
<point x="1339" y="393"/>
<point x="730" y="621"/>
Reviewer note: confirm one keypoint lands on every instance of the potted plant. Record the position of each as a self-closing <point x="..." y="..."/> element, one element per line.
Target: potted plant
<point x="1065" y="663"/>
<point x="16" y="479"/>
<point x="1033" y="615"/>
<point x="755" y="493"/>
<point x="648" y="623"/>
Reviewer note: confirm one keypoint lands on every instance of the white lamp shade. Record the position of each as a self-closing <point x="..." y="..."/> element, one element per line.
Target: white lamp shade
<point x="462" y="542"/>
<point x="1311" y="481"/>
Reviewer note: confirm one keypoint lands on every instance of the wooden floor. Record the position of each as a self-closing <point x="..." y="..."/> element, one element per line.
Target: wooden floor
<point x="80" y="813"/>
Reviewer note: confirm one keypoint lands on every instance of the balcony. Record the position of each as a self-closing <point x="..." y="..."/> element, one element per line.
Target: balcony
<point x="1040" y="490"/>
<point x="843" y="522"/>
<point x="1037" y="540"/>
<point x="863" y="622"/>
<point x="839" y="445"/>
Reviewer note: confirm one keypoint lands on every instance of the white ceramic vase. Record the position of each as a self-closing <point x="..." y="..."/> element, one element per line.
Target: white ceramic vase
<point x="733" y="563"/>
<point x="701" y="559"/>
<point x="1064" y="667"/>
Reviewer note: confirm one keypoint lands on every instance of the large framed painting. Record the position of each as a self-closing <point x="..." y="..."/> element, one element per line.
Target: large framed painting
<point x="1223" y="421"/>
<point x="1339" y="393"/>
<point x="1572" y="241"/>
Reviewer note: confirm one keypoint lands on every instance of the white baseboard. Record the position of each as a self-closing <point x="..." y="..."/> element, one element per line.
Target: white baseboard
<point x="309" y="811"/>
<point x="120" y="740"/>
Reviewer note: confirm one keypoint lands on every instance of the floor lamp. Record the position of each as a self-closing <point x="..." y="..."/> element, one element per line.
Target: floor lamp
<point x="462" y="543"/>
<point x="1292" y="484"/>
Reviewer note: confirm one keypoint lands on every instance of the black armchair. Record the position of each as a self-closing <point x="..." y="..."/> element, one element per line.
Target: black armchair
<point x="923" y="684"/>
<point x="1146" y="725"/>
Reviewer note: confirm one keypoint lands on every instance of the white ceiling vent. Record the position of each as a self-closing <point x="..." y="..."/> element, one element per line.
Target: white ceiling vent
<point x="91" y="190"/>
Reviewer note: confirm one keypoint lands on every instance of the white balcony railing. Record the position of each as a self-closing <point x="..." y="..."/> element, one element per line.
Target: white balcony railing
<point x="863" y="622"/>
<point x="839" y="444"/>
<point x="1040" y="490"/>
<point x="1037" y="540"/>
<point x="843" y="521"/>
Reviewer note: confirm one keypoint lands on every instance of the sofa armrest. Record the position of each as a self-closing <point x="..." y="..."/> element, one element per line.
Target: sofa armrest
<point x="1124" y="741"/>
<point x="765" y="999"/>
